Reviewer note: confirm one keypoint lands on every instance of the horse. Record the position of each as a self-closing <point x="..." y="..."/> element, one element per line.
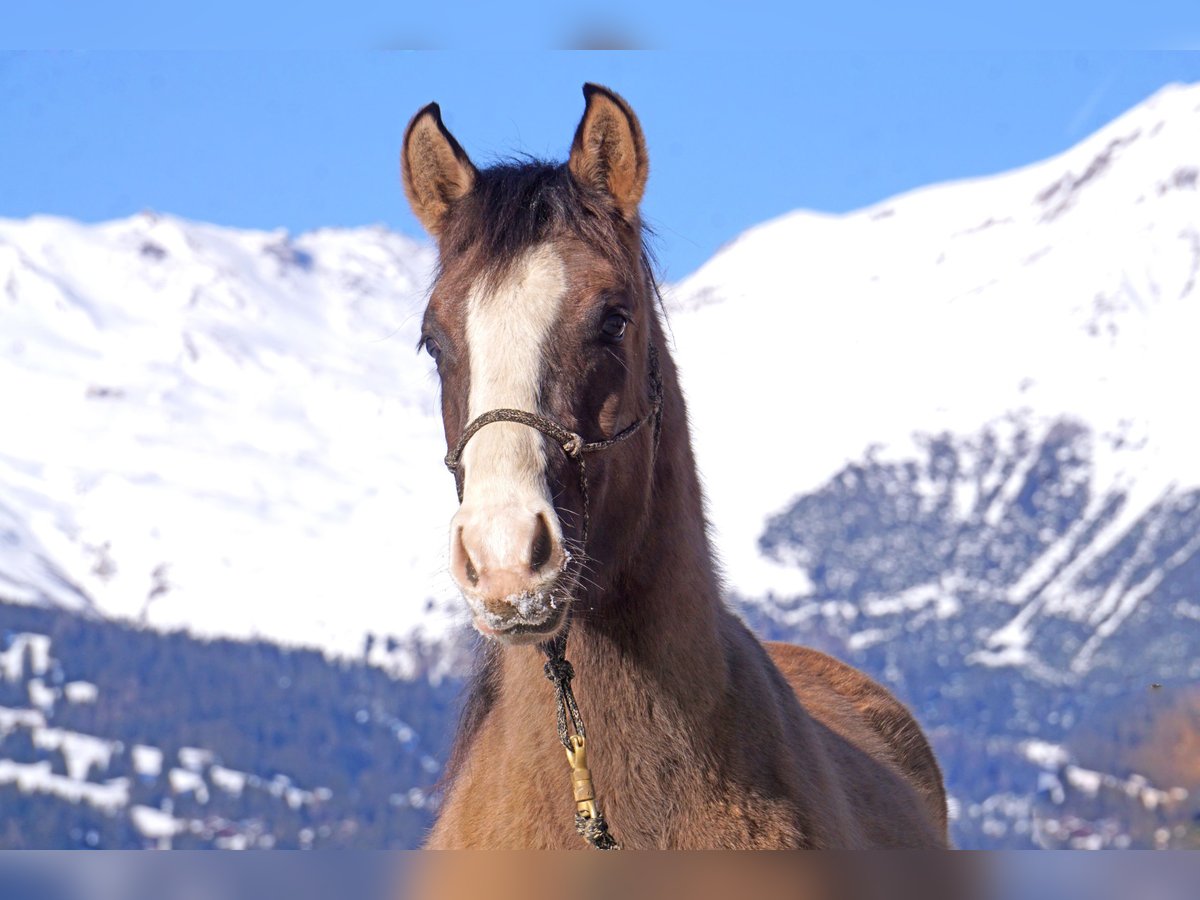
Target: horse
<point x="581" y="516"/>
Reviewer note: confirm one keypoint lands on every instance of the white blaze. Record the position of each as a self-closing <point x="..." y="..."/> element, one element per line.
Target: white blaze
<point x="507" y="332"/>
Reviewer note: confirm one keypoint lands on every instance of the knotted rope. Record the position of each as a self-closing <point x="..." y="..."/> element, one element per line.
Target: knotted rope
<point x="589" y="819"/>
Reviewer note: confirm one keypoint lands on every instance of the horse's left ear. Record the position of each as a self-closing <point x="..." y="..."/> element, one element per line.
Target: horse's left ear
<point x="609" y="151"/>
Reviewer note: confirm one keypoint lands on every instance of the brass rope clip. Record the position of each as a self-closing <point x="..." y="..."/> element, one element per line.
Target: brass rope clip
<point x="581" y="778"/>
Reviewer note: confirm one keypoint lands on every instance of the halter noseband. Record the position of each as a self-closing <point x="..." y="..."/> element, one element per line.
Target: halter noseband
<point x="589" y="820"/>
<point x="571" y="443"/>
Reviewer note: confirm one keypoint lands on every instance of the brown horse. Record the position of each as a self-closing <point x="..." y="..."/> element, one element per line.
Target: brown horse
<point x="699" y="735"/>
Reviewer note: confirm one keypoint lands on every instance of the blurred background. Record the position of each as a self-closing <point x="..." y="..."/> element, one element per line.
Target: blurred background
<point x="961" y="285"/>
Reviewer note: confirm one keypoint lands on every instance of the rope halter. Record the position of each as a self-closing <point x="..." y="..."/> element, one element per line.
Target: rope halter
<point x="589" y="820"/>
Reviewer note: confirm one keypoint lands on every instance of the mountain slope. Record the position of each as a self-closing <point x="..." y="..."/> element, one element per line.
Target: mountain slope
<point x="993" y="334"/>
<point x="228" y="430"/>
<point x="119" y="738"/>
<point x="982" y="480"/>
<point x="222" y="430"/>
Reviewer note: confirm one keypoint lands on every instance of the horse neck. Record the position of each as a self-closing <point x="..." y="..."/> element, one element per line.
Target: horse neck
<point x="658" y="627"/>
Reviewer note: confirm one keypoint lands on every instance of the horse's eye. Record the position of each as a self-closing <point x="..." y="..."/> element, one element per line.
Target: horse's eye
<point x="432" y="348"/>
<point x="614" y="326"/>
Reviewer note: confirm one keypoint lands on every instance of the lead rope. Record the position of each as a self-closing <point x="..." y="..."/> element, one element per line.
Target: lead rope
<point x="589" y="819"/>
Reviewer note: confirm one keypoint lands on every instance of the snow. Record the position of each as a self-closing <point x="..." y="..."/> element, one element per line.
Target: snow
<point x="39" y="778"/>
<point x="39" y="695"/>
<point x="233" y="437"/>
<point x="12" y="662"/>
<point x="939" y="596"/>
<point x="156" y="825"/>
<point x="1045" y="754"/>
<point x="35" y="647"/>
<point x="963" y="305"/>
<point x="183" y="781"/>
<point x="81" y="752"/>
<point x="1000" y="657"/>
<point x="230" y="781"/>
<point x="81" y="692"/>
<point x="229" y="431"/>
<point x="195" y="758"/>
<point x="1136" y="787"/>
<point x="869" y="638"/>
<point x="39" y="653"/>
<point x="296" y="798"/>
<point x="147" y="761"/>
<point x="11" y="719"/>
<point x="1085" y="780"/>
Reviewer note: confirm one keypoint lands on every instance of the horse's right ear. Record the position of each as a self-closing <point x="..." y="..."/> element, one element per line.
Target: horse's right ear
<point x="434" y="167"/>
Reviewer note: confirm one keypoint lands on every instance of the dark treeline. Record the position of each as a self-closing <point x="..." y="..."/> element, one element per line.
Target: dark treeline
<point x="346" y="726"/>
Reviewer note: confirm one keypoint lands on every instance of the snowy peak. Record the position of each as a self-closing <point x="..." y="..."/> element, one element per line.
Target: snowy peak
<point x="1142" y="155"/>
<point x="1145" y="156"/>
<point x="1067" y="288"/>
<point x="217" y="426"/>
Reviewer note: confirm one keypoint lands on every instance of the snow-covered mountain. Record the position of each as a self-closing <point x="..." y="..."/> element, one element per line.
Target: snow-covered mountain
<point x="985" y="485"/>
<point x="997" y="372"/>
<point x="223" y="430"/>
<point x="230" y="431"/>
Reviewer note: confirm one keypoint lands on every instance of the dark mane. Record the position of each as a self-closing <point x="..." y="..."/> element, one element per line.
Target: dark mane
<point x="517" y="204"/>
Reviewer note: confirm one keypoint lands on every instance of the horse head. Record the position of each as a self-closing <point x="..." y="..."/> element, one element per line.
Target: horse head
<point x="543" y="326"/>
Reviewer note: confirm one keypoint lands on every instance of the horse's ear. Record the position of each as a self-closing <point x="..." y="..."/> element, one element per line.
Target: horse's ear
<point x="609" y="151"/>
<point x="435" y="169"/>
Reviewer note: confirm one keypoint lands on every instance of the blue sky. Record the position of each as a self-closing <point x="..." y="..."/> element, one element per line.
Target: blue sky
<point x="304" y="139"/>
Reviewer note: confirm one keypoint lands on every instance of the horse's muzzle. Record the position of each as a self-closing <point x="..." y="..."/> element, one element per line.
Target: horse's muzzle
<point x="508" y="560"/>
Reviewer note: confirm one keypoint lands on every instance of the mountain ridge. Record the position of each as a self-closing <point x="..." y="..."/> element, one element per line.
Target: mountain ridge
<point x="981" y="486"/>
<point x="279" y="366"/>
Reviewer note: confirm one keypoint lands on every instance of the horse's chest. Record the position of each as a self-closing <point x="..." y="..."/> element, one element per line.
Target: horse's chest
<point x="685" y="805"/>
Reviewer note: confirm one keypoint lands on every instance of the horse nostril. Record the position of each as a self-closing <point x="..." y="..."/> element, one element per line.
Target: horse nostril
<point x="539" y="553"/>
<point x="468" y="566"/>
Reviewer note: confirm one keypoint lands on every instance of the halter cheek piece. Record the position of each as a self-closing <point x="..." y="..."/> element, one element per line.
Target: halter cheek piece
<point x="589" y="820"/>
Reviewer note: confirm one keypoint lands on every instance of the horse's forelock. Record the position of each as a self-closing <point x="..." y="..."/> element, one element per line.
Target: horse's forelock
<point x="517" y="206"/>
